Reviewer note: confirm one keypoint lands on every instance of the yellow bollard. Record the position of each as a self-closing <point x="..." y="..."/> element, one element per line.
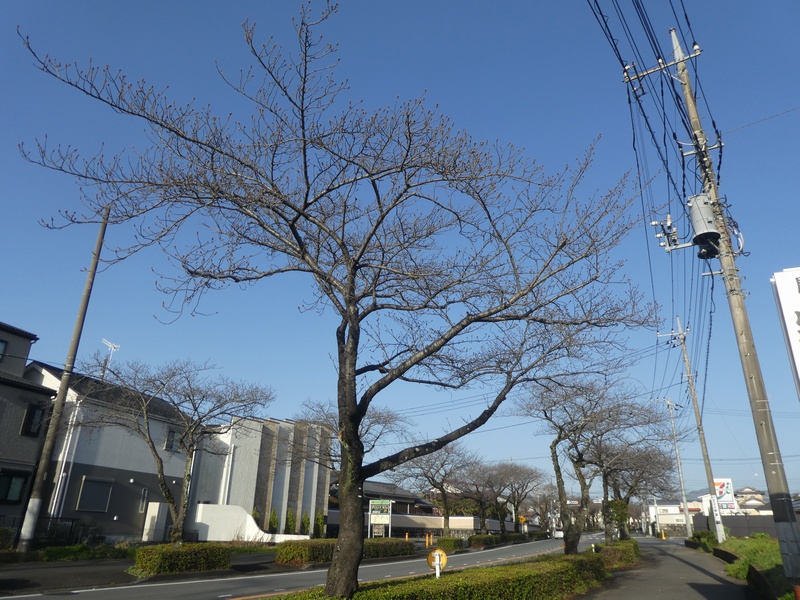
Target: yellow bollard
<point x="406" y="536"/>
<point x="663" y="535"/>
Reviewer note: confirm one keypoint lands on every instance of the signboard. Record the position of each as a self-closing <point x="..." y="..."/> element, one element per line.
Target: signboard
<point x="380" y="514"/>
<point x="725" y="499"/>
<point x="786" y="286"/>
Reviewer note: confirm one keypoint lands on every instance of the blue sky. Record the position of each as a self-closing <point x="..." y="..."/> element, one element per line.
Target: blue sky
<point x="539" y="75"/>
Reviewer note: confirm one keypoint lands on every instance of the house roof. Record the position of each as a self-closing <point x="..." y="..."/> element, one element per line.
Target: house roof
<point x="386" y="491"/>
<point x="106" y="393"/>
<point x="23" y="384"/>
<point x="18" y="331"/>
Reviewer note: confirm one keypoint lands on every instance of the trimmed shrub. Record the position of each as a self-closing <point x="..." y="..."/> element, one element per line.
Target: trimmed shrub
<point x="486" y="541"/>
<point x="305" y="524"/>
<point x="707" y="540"/>
<point x="306" y="552"/>
<point x="547" y="579"/>
<point x="620" y="555"/>
<point x="272" y="527"/>
<point x="450" y="544"/>
<point x="319" y="525"/>
<point x="291" y="523"/>
<point x="538" y="535"/>
<point x="168" y="558"/>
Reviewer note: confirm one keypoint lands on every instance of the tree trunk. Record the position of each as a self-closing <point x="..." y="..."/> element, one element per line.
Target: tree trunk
<point x="624" y="530"/>
<point x="179" y="519"/>
<point x="608" y="518"/>
<point x="445" y="516"/>
<point x="482" y="529"/>
<point x="343" y="573"/>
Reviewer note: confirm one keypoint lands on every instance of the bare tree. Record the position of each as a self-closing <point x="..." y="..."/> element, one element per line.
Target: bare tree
<point x="176" y="407"/>
<point x="543" y="505"/>
<point x="477" y="487"/>
<point x="443" y="472"/>
<point x="593" y="422"/>
<point x="649" y="470"/>
<point x="449" y="262"/>
<point x="522" y="481"/>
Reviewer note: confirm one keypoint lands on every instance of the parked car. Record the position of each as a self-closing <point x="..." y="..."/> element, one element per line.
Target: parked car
<point x="558" y="533"/>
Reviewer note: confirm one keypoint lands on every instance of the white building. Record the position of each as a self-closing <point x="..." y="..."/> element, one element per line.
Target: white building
<point x="102" y="479"/>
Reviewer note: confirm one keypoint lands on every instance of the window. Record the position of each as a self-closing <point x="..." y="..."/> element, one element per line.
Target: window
<point x="3" y="347"/>
<point x="143" y="500"/>
<point x="12" y="483"/>
<point x="32" y="424"/>
<point x="169" y="443"/>
<point x="95" y="494"/>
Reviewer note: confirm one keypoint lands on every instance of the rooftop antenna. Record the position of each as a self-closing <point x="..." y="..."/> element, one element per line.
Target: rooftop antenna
<point x="111" y="349"/>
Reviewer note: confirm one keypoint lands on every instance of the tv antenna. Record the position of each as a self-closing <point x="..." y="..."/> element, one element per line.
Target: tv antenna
<point x="112" y="347"/>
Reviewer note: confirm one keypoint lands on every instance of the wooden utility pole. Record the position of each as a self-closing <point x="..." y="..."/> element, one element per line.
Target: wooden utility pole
<point x="680" y="471"/>
<point x="712" y="489"/>
<point x="40" y="480"/>
<point x="774" y="473"/>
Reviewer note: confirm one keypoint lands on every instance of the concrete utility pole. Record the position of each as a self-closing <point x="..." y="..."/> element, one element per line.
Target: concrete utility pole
<point x="680" y="471"/>
<point x="719" y="529"/>
<point x="774" y="473"/>
<point x="37" y="491"/>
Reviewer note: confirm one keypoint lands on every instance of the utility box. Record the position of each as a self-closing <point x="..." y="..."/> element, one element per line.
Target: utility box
<point x="706" y="235"/>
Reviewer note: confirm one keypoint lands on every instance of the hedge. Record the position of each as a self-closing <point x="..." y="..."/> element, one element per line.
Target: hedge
<point x="548" y="579"/>
<point x="305" y="552"/>
<point x="168" y="558"/>
<point x="484" y="541"/>
<point x="707" y="540"/>
<point x="620" y="554"/>
<point x="449" y="544"/>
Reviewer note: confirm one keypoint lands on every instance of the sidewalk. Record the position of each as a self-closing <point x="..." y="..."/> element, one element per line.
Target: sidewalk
<point x="670" y="571"/>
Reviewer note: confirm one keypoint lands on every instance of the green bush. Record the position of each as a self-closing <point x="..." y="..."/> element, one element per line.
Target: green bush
<point x="485" y="541"/>
<point x="305" y="524"/>
<point x="450" y="544"/>
<point x="549" y="579"/>
<point x="620" y="555"/>
<point x="538" y="535"/>
<point x="272" y="527"/>
<point x="307" y="552"/>
<point x="168" y="558"/>
<point x="319" y="525"/>
<point x="707" y="540"/>
<point x="291" y="523"/>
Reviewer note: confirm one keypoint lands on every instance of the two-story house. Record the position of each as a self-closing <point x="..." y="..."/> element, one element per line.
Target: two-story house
<point x="23" y="406"/>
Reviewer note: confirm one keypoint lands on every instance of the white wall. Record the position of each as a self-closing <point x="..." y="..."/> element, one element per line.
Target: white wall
<point x="216" y="523"/>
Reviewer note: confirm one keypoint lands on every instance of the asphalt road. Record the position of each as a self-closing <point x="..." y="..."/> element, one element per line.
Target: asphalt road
<point x="205" y="588"/>
<point x="668" y="571"/>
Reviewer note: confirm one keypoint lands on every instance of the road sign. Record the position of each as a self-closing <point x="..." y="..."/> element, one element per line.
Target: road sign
<point x="437" y="559"/>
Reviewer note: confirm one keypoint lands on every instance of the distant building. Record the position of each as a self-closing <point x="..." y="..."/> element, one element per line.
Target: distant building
<point x="750" y="500"/>
<point x="668" y="515"/>
<point x="23" y="406"/>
